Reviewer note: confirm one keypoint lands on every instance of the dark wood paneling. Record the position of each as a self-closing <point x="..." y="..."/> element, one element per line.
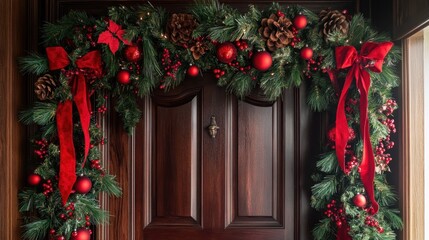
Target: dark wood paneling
<point x="176" y="181"/>
<point x="13" y="43"/>
<point x="410" y="16"/>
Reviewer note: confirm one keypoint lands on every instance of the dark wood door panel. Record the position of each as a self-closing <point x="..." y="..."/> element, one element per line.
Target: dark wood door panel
<point x="176" y="164"/>
<point x="257" y="165"/>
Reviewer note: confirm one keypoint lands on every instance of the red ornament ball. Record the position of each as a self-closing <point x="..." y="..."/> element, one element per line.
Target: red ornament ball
<point x="300" y="21"/>
<point x="83" y="185"/>
<point x="262" y="61"/>
<point x="81" y="234"/>
<point x="359" y="200"/>
<point x="193" y="71"/>
<point x="132" y="53"/>
<point x="123" y="77"/>
<point x="306" y="53"/>
<point x="226" y="52"/>
<point x="34" y="179"/>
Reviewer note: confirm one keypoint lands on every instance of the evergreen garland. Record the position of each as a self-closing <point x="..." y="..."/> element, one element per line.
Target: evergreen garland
<point x="162" y="61"/>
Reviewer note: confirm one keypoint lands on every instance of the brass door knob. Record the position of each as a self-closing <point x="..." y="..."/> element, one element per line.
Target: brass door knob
<point x="213" y="127"/>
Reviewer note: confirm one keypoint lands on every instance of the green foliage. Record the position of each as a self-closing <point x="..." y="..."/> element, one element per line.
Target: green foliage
<point x="34" y="64"/>
<point x="42" y="113"/>
<point x="36" y="230"/>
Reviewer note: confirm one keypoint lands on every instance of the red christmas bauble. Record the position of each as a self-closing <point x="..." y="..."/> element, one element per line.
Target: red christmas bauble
<point x="132" y="53"/>
<point x="81" y="234"/>
<point x="306" y="53"/>
<point x="34" y="179"/>
<point x="300" y="21"/>
<point x="359" y="200"/>
<point x="226" y="52"/>
<point x="262" y="61"/>
<point x="83" y="185"/>
<point x="193" y="71"/>
<point x="123" y="77"/>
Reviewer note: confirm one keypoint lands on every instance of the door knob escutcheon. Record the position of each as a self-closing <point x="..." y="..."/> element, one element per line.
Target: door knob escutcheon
<point x="213" y="127"/>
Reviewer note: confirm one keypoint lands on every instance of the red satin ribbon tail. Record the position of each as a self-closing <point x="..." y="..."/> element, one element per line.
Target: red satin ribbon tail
<point x="342" y="233"/>
<point x="67" y="175"/>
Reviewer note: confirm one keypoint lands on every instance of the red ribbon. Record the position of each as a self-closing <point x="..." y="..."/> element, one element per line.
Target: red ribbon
<point x="58" y="59"/>
<point x="371" y="57"/>
<point x="343" y="232"/>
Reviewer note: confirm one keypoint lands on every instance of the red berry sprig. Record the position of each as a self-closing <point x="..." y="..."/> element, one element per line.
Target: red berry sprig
<point x="170" y="67"/>
<point x="102" y="109"/>
<point x="241" y="44"/>
<point x="87" y="221"/>
<point x="335" y="213"/>
<point x="372" y="222"/>
<point x="218" y="72"/>
<point x="389" y="107"/>
<point x="313" y="65"/>
<point x="47" y="188"/>
<point x="42" y="150"/>
<point x="351" y="163"/>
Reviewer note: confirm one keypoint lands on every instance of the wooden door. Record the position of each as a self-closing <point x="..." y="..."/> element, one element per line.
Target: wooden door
<point x="238" y="185"/>
<point x="252" y="179"/>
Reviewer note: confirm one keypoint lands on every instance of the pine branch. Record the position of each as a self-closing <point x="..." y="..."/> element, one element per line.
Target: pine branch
<point x="328" y="163"/>
<point x="36" y="230"/>
<point x="110" y="186"/>
<point x="241" y="85"/>
<point x="326" y="188"/>
<point x="42" y="113"/>
<point x="323" y="230"/>
<point x="34" y="64"/>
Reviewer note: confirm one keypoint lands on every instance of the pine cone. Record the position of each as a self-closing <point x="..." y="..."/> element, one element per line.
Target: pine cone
<point x="198" y="49"/>
<point x="44" y="87"/>
<point x="275" y="30"/>
<point x="180" y="28"/>
<point x="333" y="21"/>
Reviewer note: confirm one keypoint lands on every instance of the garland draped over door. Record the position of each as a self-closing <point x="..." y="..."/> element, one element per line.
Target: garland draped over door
<point x="348" y="66"/>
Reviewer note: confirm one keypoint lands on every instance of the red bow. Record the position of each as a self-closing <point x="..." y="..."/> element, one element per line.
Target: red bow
<point x="58" y="59"/>
<point x="371" y="57"/>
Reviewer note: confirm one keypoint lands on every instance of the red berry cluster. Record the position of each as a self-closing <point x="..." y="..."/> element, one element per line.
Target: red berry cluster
<point x="102" y="109"/>
<point x="372" y="222"/>
<point x="89" y="34"/>
<point x="336" y="213"/>
<point x="313" y="65"/>
<point x="42" y="150"/>
<point x="53" y="236"/>
<point x="351" y="163"/>
<point x="351" y="104"/>
<point x="390" y="123"/>
<point x="95" y="164"/>
<point x="47" y="188"/>
<point x="241" y="44"/>
<point x="218" y="73"/>
<point x="389" y="107"/>
<point x="69" y="212"/>
<point x="170" y="67"/>
<point x="135" y="66"/>
<point x="87" y="221"/>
